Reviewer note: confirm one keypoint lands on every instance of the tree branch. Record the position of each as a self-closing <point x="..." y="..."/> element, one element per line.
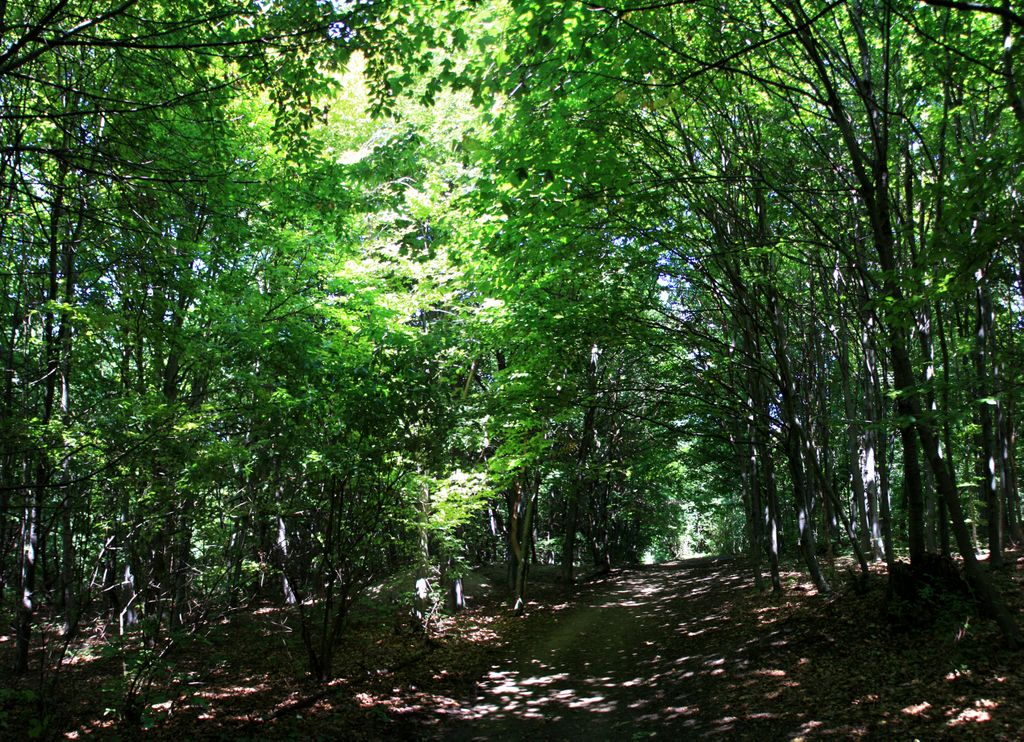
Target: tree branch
<point x="1004" y="13"/>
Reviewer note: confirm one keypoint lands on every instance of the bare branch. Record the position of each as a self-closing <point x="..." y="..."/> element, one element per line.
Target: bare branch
<point x="1004" y="12"/>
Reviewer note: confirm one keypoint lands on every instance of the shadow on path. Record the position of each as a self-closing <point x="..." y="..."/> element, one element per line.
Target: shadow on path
<point x="641" y="654"/>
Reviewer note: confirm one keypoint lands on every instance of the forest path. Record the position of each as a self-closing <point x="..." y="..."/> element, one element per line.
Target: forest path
<point x="651" y="652"/>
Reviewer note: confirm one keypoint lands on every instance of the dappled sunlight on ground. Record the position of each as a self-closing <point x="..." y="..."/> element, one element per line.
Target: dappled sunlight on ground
<point x="677" y="651"/>
<point x="690" y="650"/>
<point x="625" y="659"/>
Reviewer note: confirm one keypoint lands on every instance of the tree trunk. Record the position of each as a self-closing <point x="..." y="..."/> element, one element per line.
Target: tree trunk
<point x="794" y="446"/>
<point x="988" y="473"/>
<point x="913" y="494"/>
<point x="521" y="543"/>
<point x="751" y="479"/>
<point x="69" y="580"/>
<point x="765" y="456"/>
<point x="945" y="545"/>
<point x="871" y="455"/>
<point x="1008" y="464"/>
<point x="32" y="518"/>
<point x="903" y="377"/>
<point x="581" y="478"/>
<point x="854" y="436"/>
<point x="281" y="541"/>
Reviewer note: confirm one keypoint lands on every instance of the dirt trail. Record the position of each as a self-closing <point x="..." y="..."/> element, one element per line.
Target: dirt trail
<point x="679" y="651"/>
<point x="642" y="654"/>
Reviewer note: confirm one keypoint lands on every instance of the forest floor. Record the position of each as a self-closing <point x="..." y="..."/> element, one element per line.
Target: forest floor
<point x="682" y="650"/>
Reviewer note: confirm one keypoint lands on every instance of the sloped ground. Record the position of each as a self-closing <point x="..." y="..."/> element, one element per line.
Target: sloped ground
<point x="680" y="651"/>
<point x="684" y="651"/>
